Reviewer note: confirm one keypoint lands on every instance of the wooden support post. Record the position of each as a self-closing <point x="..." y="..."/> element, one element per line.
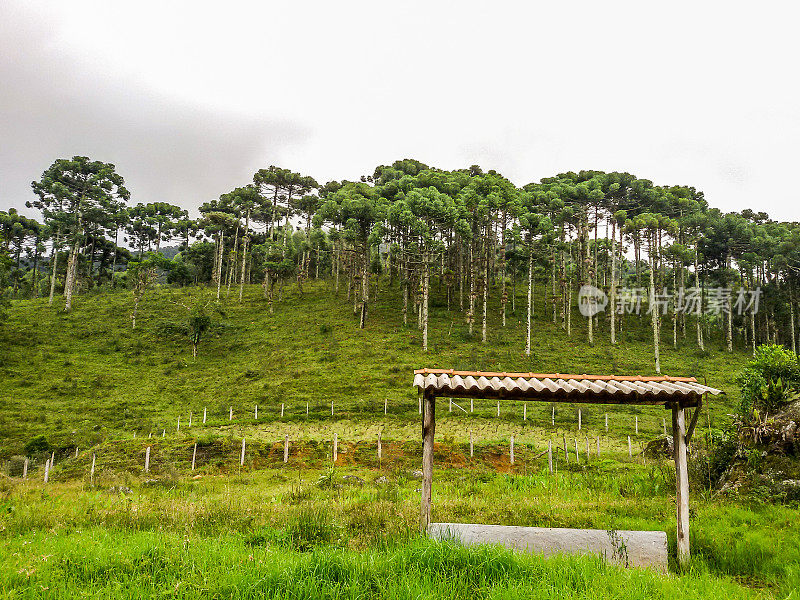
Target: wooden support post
<point x="241" y="459"/>
<point x="194" y="455"/>
<point x="693" y="422"/>
<point x="147" y="460"/>
<point x="550" y="455"/>
<point x="286" y="448"/>
<point x="419" y="399"/>
<point x="682" y="482"/>
<point x="204" y="415"/>
<point x="335" y="447"/>
<point x="91" y="473"/>
<point x="511" y="450"/>
<point x="428" y="431"/>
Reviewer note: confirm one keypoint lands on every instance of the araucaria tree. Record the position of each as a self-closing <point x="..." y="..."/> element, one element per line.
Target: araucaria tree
<point x="72" y="192"/>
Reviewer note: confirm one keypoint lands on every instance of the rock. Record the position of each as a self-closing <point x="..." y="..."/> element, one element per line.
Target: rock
<point x="662" y="447"/>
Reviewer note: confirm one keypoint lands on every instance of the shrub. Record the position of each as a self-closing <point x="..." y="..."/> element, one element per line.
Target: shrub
<point x="36" y="445"/>
<point x="769" y="380"/>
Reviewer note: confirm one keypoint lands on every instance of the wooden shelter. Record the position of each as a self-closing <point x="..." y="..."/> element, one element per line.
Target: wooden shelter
<point x="674" y="393"/>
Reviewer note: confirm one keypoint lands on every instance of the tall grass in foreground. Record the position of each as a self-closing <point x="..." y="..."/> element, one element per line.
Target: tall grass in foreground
<point x="102" y="563"/>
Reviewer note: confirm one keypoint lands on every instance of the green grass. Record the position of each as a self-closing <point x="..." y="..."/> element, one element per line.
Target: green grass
<point x="86" y="376"/>
<point x="301" y="529"/>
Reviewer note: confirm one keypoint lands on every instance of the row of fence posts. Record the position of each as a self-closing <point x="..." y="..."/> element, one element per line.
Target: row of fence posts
<point x="335" y="453"/>
<point x="451" y="404"/>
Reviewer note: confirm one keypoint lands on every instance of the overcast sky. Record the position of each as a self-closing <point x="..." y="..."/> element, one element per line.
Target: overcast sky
<point x="188" y="99"/>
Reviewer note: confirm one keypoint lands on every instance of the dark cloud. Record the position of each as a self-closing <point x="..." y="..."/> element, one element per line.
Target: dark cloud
<point x="51" y="107"/>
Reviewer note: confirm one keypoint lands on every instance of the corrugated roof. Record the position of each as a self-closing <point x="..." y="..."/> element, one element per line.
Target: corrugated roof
<point x="623" y="389"/>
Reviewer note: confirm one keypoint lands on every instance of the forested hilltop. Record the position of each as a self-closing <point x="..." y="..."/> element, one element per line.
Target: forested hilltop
<point x="467" y="239"/>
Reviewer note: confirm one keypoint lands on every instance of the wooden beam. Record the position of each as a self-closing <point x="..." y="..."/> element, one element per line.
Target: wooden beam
<point x="428" y="429"/>
<point x="682" y="482"/>
<point x="693" y="422"/>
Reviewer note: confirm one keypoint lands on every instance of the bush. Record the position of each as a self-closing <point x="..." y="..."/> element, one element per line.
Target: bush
<point x="769" y="380"/>
<point x="36" y="445"/>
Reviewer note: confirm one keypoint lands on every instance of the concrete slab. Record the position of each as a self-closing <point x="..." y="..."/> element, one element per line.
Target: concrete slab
<point x="627" y="548"/>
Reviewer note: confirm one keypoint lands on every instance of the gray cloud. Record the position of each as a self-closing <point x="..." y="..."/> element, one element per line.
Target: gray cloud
<point x="166" y="150"/>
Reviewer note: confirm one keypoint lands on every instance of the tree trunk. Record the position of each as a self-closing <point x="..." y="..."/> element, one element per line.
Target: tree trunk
<point x="245" y="240"/>
<point x="72" y="269"/>
<point x="365" y="286"/>
<point x="54" y="266"/>
<point x="654" y="309"/>
<point x="613" y="311"/>
<point x="425" y="296"/>
<point x="530" y="302"/>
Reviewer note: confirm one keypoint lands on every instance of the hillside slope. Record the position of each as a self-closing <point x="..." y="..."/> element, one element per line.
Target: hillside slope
<point x="87" y="375"/>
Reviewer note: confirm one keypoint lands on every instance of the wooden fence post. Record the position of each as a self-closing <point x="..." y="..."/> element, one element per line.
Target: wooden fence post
<point x="450" y="405"/>
<point x="606" y="422"/>
<point x="553" y="417"/>
<point x="550" y="455"/>
<point x="306" y="408"/>
<point x="25" y="468"/>
<point x="286" y="448"/>
<point x="147" y="460"/>
<point x="471" y="405"/>
<point x="498" y="408"/>
<point x="566" y="454"/>
<point x="637" y="424"/>
<point x="163" y="432"/>
<point x="385" y="406"/>
<point x="335" y="447"/>
<point x="194" y="455"/>
<point x="204" y="415"/>
<point x="577" y="456"/>
<point x="91" y="473"/>
<point x="241" y="460"/>
<point x="579" y="419"/>
<point x="179" y="424"/>
<point x="380" y="449"/>
<point x="230" y="414"/>
<point x="630" y="452"/>
<point x="524" y="411"/>
<point x="255" y="413"/>
<point x="76" y="452"/>
<point x="331" y="407"/>
<point x="511" y="449"/>
<point x="190" y="418"/>
<point x="282" y="409"/>
<point x="46" y="470"/>
<point x="471" y="447"/>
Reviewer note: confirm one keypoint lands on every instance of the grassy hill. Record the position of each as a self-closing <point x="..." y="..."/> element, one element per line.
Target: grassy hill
<point x="304" y="528"/>
<point x="87" y="375"/>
